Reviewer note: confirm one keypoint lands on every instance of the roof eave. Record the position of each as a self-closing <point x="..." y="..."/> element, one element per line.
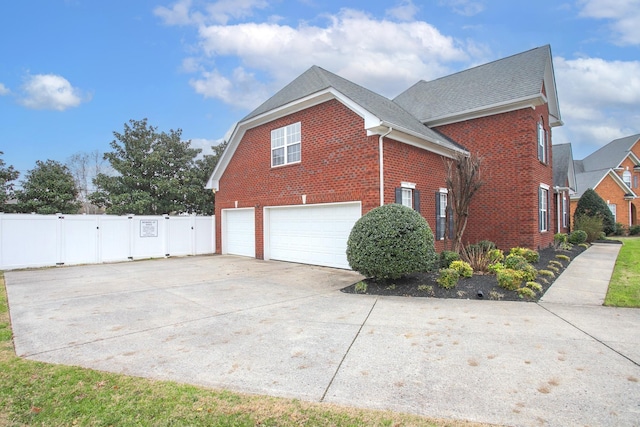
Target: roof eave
<point x="411" y="138"/>
<point x="531" y="101"/>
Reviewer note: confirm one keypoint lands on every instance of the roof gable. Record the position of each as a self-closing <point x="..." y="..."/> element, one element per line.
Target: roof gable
<point x="591" y="179"/>
<point x="522" y="80"/>
<point x="612" y="154"/>
<point x="563" y="166"/>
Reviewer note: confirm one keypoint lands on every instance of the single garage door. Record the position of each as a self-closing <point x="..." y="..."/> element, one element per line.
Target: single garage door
<point x="238" y="232"/>
<point x="311" y="234"/>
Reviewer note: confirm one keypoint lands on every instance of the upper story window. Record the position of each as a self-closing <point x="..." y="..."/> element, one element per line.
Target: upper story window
<point x="542" y="142"/>
<point x="626" y="177"/>
<point x="285" y="145"/>
<point x="441" y="215"/>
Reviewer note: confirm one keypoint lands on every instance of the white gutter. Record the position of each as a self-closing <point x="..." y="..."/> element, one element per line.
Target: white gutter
<point x="381" y="154"/>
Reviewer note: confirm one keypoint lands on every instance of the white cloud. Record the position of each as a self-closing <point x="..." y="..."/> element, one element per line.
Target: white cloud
<point x="4" y="90"/>
<point x="392" y="56"/>
<point x="624" y="14"/>
<point x="49" y="92"/>
<point x="405" y="11"/>
<point x="220" y="12"/>
<point x="599" y="101"/>
<point x="464" y="7"/>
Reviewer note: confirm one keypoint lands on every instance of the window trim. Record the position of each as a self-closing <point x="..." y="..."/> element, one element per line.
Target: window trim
<point x="441" y="220"/>
<point x="542" y="142"/>
<point x="627" y="174"/>
<point x="287" y="130"/>
<point x="565" y="213"/>
<point x="613" y="208"/>
<point x="543" y="208"/>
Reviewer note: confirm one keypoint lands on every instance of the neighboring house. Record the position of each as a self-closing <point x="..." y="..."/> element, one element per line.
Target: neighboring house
<point x="613" y="171"/>
<point x="304" y="166"/>
<point x="564" y="185"/>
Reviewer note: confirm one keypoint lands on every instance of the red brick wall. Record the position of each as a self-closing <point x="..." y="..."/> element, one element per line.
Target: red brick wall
<point x="338" y="163"/>
<point x="505" y="210"/>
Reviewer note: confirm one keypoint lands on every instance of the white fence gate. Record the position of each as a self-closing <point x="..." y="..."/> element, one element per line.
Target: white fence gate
<point x="48" y="240"/>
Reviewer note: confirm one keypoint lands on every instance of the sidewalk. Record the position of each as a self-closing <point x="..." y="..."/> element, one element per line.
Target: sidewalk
<point x="574" y="287"/>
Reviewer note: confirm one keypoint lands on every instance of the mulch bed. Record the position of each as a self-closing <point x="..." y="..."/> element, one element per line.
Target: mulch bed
<point x="467" y="288"/>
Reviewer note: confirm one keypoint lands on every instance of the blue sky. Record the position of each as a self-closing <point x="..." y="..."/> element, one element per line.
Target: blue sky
<point x="74" y="71"/>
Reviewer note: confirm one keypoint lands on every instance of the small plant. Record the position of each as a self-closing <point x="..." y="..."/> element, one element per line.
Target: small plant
<point x="448" y="278"/>
<point x="543" y="279"/>
<point x="634" y="230"/>
<point x="361" y="287"/>
<point x="560" y="238"/>
<point x="426" y="288"/>
<point x="447" y="257"/>
<point x="563" y="257"/>
<point x="556" y="263"/>
<point x="535" y="286"/>
<point x="495" y="295"/>
<point x="592" y="225"/>
<point x="494" y="268"/>
<point x="577" y="237"/>
<point x="515" y="262"/>
<point x="546" y="273"/>
<point x="391" y="287"/>
<point x="509" y="279"/>
<point x="528" y="254"/>
<point x="553" y="268"/>
<point x="477" y="257"/>
<point x="584" y="245"/>
<point x="486" y="245"/>
<point x="463" y="268"/>
<point x="619" y="229"/>
<point x="495" y="255"/>
<point x="526" y="293"/>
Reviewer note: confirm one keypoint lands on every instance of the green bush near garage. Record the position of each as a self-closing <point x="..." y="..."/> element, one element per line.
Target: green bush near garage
<point x="390" y="242"/>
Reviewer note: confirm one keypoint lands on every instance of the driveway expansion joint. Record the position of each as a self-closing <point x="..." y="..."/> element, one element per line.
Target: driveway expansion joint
<point x="346" y="353"/>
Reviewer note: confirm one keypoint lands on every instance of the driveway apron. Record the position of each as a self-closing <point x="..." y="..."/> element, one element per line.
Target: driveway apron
<point x="285" y="329"/>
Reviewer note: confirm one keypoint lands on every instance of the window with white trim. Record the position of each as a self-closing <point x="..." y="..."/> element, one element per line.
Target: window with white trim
<point x="441" y="213"/>
<point x="565" y="211"/>
<point x="542" y="142"/>
<point x="407" y="197"/>
<point x="285" y="145"/>
<point x="635" y="181"/>
<point x="613" y="208"/>
<point x="626" y="177"/>
<point x="543" y="209"/>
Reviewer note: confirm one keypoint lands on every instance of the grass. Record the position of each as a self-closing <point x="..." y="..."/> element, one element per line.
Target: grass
<point x="41" y="394"/>
<point x="624" y="288"/>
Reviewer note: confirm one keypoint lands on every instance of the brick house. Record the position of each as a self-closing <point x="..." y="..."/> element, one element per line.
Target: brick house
<point x="613" y="171"/>
<point x="305" y="165"/>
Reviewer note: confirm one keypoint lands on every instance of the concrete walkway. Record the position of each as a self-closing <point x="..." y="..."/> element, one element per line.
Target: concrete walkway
<point x="586" y="280"/>
<point x="286" y="330"/>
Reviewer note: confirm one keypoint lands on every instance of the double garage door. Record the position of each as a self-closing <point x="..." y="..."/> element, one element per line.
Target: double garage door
<point x="307" y="234"/>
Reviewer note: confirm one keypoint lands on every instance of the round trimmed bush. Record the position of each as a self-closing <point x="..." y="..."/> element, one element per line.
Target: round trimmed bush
<point x="578" y="236"/>
<point x="389" y="242"/>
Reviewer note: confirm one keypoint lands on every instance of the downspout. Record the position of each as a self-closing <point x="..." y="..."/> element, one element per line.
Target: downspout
<point x="381" y="154"/>
<point x="558" y="208"/>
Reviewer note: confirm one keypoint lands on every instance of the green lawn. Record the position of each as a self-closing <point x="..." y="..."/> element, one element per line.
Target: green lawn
<point x="34" y="393"/>
<point x="624" y="289"/>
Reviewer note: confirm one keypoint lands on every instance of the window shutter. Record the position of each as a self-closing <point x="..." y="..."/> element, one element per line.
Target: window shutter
<point x="398" y="195"/>
<point x="416" y="200"/>
<point x="450" y="213"/>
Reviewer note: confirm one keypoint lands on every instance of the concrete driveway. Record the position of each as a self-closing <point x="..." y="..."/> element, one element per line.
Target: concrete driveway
<point x="286" y="330"/>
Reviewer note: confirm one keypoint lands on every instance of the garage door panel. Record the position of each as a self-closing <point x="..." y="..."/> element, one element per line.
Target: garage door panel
<point x="239" y="232"/>
<point x="312" y="234"/>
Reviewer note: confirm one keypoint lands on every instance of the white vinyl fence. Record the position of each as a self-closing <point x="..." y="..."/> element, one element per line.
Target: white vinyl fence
<point x="48" y="240"/>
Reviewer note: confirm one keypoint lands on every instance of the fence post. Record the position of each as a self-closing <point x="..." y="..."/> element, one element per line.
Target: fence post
<point x="131" y="235"/>
<point x="165" y="236"/>
<point x="60" y="255"/>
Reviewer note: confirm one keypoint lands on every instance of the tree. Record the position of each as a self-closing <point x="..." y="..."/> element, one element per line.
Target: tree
<point x="48" y="188"/>
<point x="463" y="181"/>
<point x="156" y="173"/>
<point x="7" y="175"/>
<point x="85" y="167"/>
<point x="592" y="205"/>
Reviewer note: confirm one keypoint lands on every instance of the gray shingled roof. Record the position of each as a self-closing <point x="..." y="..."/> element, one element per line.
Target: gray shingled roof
<point x="590" y="179"/>
<point x="316" y="79"/>
<point x="562" y="165"/>
<point x="610" y="155"/>
<point x="518" y="76"/>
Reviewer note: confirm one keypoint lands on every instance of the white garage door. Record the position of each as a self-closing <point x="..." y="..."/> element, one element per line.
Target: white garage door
<point x="310" y="234"/>
<point x="238" y="232"/>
